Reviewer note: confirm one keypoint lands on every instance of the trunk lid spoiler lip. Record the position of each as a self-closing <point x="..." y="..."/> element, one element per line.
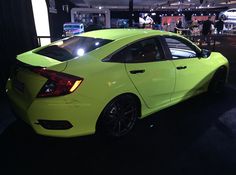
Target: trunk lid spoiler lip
<point x="32" y="60"/>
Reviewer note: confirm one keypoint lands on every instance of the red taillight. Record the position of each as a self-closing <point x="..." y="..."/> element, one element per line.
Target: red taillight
<point x="58" y="83"/>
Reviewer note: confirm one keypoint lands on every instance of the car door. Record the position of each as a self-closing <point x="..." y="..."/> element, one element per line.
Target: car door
<point x="151" y="74"/>
<point x="191" y="71"/>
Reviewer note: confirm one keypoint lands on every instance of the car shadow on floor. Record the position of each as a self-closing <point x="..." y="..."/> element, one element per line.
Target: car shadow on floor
<point x="162" y="143"/>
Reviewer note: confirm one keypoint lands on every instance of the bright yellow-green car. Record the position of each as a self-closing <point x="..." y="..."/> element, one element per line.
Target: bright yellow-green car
<point x="103" y="81"/>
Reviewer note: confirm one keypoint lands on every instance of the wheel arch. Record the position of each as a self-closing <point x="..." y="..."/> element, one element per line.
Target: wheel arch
<point x="223" y="69"/>
<point x="137" y="99"/>
<point x="130" y="94"/>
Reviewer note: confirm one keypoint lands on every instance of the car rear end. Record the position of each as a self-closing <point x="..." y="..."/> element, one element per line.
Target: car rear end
<point x="45" y="97"/>
<point x="41" y="97"/>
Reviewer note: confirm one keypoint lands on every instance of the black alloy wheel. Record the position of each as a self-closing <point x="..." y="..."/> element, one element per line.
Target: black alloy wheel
<point x="119" y="116"/>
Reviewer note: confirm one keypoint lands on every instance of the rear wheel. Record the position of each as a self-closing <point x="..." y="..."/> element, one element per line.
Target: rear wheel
<point x="218" y="81"/>
<point x="119" y="116"/>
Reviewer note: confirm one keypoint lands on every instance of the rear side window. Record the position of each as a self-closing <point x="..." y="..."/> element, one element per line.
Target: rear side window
<point x="179" y="49"/>
<point x="147" y="50"/>
<point x="70" y="48"/>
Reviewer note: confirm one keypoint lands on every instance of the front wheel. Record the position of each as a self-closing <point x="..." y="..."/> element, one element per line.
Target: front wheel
<point x="119" y="116"/>
<point x="218" y="81"/>
<point x="223" y="17"/>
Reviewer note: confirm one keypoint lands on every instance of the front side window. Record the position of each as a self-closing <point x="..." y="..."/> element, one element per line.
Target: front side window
<point x="70" y="48"/>
<point x="142" y="51"/>
<point x="179" y="49"/>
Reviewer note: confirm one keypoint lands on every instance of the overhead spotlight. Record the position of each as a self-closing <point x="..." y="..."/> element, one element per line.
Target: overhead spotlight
<point x="99" y="7"/>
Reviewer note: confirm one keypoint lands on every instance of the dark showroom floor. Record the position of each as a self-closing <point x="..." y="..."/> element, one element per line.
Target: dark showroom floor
<point x="197" y="136"/>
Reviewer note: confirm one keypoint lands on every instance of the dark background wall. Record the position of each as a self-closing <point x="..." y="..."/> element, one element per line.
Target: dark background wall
<point x="56" y="20"/>
<point x="17" y="34"/>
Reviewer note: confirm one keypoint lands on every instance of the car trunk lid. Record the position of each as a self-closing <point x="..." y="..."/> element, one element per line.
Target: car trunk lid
<point x="34" y="59"/>
<point x="25" y="84"/>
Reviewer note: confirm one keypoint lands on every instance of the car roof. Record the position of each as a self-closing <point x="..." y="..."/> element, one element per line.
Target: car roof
<point x="115" y="34"/>
<point x="72" y="23"/>
<point x="231" y="9"/>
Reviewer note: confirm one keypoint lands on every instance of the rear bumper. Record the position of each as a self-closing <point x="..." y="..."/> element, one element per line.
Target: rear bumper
<point x="80" y="116"/>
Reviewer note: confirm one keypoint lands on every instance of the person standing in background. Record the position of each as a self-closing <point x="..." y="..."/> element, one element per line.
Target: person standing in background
<point x="179" y="24"/>
<point x="206" y="30"/>
<point x="219" y="26"/>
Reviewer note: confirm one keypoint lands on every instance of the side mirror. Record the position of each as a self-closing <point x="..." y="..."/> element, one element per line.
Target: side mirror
<point x="205" y="53"/>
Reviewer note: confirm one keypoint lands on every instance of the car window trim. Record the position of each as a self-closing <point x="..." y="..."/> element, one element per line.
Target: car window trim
<point x="156" y="38"/>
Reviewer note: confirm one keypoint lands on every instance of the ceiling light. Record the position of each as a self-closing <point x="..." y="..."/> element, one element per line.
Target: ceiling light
<point x="80" y="52"/>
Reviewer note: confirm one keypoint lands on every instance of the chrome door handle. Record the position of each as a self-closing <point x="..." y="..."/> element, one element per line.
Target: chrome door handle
<point x="137" y="71"/>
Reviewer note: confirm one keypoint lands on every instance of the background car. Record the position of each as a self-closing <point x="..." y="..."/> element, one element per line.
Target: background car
<point x="228" y="14"/>
<point x="70" y="29"/>
<point x="103" y="81"/>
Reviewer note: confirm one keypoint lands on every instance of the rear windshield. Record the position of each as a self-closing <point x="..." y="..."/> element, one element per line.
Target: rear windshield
<point x="70" y="48"/>
<point x="71" y="26"/>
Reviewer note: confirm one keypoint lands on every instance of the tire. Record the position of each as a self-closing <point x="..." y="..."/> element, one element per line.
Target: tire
<point x="217" y="84"/>
<point x="223" y="17"/>
<point x="119" y="117"/>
